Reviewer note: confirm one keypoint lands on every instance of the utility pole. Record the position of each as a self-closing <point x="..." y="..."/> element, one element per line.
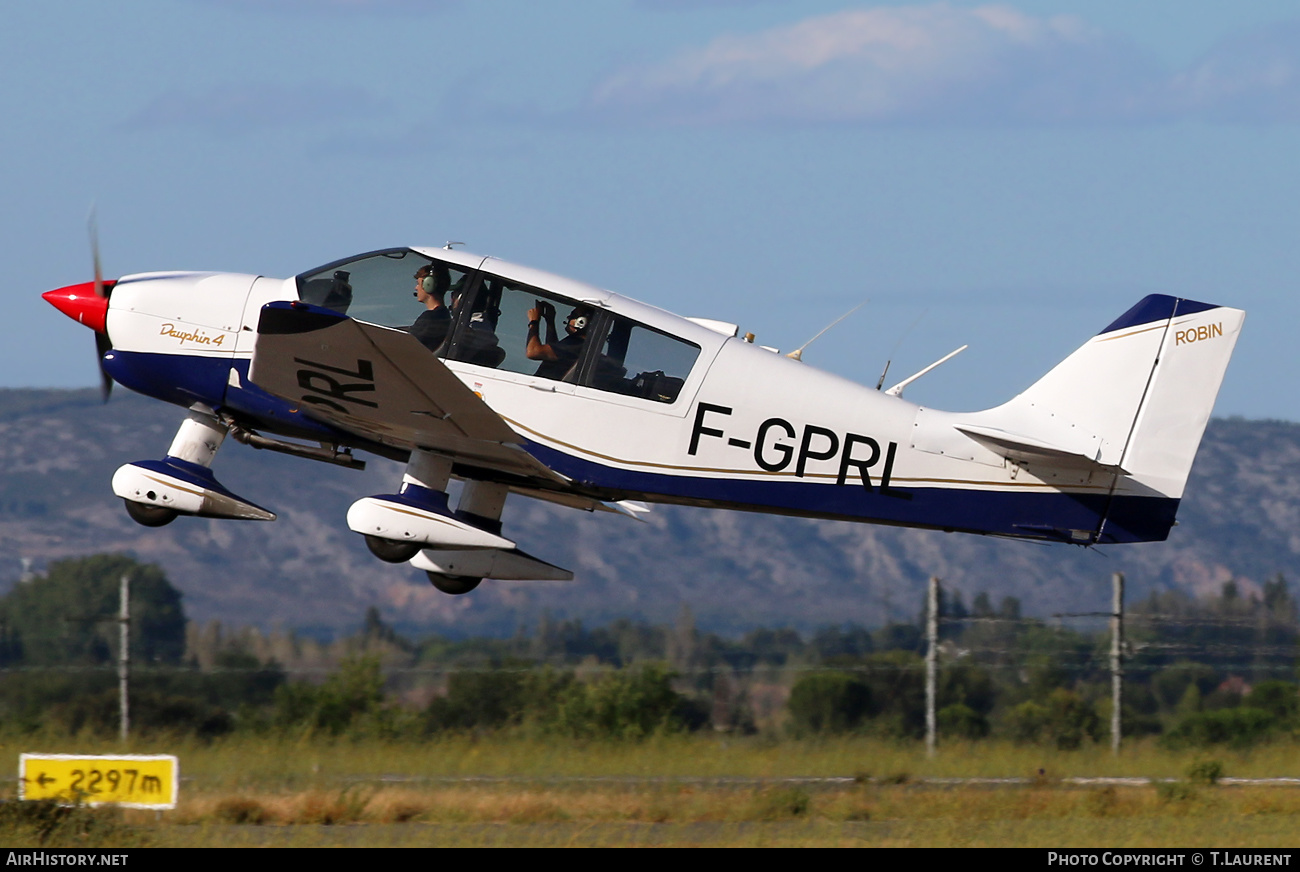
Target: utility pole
<point x="931" y="664"/>
<point x="124" y="657"/>
<point x="1116" y="660"/>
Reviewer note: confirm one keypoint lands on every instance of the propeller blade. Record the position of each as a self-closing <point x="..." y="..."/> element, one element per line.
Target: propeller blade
<point x="102" y="346"/>
<point x="92" y="222"/>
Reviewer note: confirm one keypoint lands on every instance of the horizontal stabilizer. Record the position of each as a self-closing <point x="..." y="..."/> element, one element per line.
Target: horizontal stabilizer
<point x="634" y="509"/>
<point x="1018" y="446"/>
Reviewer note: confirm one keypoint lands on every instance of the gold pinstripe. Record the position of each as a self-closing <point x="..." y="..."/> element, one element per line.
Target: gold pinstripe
<point x="636" y="464"/>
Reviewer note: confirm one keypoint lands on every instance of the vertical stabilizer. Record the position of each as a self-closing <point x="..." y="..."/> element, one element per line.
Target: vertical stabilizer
<point x="1137" y="396"/>
<point x="1194" y="352"/>
<point x="1128" y="407"/>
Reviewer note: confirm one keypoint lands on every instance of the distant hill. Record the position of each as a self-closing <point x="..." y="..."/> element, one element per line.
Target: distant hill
<point x="58" y="451"/>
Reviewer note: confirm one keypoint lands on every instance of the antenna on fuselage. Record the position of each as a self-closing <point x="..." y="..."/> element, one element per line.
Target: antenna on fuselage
<point x="797" y="354"/>
<point x="449" y="244"/>
<point x="897" y="390"/>
<point x="880" y="382"/>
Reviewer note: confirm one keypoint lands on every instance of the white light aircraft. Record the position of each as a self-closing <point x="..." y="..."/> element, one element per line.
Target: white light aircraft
<point x="619" y="404"/>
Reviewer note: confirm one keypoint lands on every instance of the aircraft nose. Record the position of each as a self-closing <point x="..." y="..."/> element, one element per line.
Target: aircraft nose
<point x="81" y="304"/>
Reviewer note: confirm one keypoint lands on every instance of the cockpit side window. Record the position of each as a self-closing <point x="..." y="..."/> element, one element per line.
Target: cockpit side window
<point x="496" y="329"/>
<point x="385" y="288"/>
<point x="513" y="327"/>
<point x="640" y="361"/>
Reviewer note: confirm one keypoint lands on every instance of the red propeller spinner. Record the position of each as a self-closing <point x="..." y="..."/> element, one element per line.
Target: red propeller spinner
<point x="82" y="304"/>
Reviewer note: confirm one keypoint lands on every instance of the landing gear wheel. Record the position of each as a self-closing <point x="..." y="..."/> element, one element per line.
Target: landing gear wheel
<point x="392" y="551"/>
<point x="150" y="516"/>
<point x="453" y="584"/>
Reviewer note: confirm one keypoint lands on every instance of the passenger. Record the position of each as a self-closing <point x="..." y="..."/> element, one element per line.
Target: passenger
<point x="434" y="323"/>
<point x="557" y="355"/>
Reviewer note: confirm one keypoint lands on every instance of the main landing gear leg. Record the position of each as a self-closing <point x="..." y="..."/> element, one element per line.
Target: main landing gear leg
<point x="481" y="504"/>
<point x="424" y="484"/>
<point x="182" y="483"/>
<point x="398" y="526"/>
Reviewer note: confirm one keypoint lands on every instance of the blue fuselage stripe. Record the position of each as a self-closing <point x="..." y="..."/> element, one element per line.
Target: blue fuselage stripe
<point x="1034" y="515"/>
<point x="185" y="379"/>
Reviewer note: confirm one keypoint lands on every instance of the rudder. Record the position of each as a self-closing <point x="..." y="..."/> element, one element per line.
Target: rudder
<point x="1132" y="403"/>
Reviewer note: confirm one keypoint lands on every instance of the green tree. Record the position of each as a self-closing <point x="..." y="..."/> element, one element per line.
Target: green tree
<point x="68" y="615"/>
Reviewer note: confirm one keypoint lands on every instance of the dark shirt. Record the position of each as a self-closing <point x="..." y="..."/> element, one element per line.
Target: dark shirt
<point x="431" y="327"/>
<point x="566" y="351"/>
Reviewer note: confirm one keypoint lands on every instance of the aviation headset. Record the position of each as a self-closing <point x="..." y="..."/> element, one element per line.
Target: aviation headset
<point x="578" y="322"/>
<point x="429" y="282"/>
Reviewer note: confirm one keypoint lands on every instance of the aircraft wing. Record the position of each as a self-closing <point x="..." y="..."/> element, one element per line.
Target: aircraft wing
<point x="381" y="384"/>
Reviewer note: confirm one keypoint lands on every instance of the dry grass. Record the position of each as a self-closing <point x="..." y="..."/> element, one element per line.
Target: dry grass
<point x="687" y="804"/>
<point x="867" y="814"/>
<point x="462" y="791"/>
<point x="242" y="763"/>
<point x="1045" y="814"/>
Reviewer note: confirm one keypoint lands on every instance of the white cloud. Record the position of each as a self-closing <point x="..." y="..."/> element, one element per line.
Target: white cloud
<point x="937" y="64"/>
<point x="1250" y="79"/>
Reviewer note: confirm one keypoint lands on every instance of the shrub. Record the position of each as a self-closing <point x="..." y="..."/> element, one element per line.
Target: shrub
<point x="1027" y="721"/>
<point x="969" y="685"/>
<point x="480" y="700"/>
<point x="1205" y="772"/>
<point x="1175" y="791"/>
<point x="350" y="698"/>
<point x="1070" y="720"/>
<point x="897" y="683"/>
<point x="1280" y="699"/>
<point x="962" y="722"/>
<point x="1236" y="728"/>
<point x="241" y="810"/>
<point x="632" y="703"/>
<point x="152" y="713"/>
<point x="47" y="824"/>
<point x="828" y="702"/>
<point x="1065" y="721"/>
<point x="1173" y="685"/>
<point x="780" y="803"/>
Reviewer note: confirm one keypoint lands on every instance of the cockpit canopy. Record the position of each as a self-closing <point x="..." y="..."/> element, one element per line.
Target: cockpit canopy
<point x="485" y="323"/>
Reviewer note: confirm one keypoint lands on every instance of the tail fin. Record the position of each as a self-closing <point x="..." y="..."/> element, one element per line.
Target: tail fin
<point x="1144" y="386"/>
<point x="1132" y="402"/>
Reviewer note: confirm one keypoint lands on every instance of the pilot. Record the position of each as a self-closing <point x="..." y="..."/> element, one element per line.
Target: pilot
<point x="434" y="323"/>
<point x="557" y="355"/>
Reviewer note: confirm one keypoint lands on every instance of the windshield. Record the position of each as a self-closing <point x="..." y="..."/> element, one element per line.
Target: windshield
<point x="383" y="287"/>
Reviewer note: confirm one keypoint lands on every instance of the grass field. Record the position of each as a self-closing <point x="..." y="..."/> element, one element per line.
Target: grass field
<point x="687" y="790"/>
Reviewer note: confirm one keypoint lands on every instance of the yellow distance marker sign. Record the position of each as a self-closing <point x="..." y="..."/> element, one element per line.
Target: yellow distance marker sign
<point x="128" y="780"/>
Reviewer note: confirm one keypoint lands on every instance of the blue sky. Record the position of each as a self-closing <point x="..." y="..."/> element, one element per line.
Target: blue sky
<point x="1012" y="176"/>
